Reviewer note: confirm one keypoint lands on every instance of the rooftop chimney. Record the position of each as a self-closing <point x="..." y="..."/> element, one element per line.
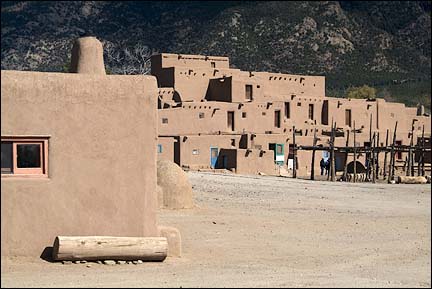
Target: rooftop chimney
<point x="87" y="56"/>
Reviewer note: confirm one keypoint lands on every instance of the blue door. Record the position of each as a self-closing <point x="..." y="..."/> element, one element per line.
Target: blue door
<point x="213" y="156"/>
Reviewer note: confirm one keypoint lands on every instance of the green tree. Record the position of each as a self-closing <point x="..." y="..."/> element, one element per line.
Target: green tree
<point x="364" y="91"/>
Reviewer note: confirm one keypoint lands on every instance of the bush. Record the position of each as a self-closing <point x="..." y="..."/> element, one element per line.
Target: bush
<point x="361" y="92"/>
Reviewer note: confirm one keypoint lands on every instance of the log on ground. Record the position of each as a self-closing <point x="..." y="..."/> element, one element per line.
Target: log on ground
<point x="411" y="180"/>
<point x="92" y="248"/>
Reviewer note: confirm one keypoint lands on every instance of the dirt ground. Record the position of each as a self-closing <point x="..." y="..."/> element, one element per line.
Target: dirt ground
<point x="262" y="231"/>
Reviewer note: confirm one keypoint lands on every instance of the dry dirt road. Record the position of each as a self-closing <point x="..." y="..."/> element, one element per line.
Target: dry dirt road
<point x="262" y="231"/>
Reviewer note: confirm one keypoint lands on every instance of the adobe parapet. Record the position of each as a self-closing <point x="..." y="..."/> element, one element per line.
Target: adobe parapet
<point x="165" y="60"/>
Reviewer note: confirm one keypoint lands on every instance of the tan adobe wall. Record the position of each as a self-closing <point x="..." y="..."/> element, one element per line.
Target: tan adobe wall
<point x="252" y="162"/>
<point x="200" y="159"/>
<point x="165" y="60"/>
<point x="167" y="147"/>
<point x="102" y="158"/>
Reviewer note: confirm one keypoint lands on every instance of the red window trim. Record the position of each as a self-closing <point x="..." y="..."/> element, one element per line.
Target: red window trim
<point x="42" y="171"/>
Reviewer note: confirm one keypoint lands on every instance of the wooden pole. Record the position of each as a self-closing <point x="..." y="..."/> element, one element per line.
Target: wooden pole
<point x="346" y="157"/>
<point x="331" y="135"/>
<point x="368" y="158"/>
<point x="392" y="156"/>
<point x="412" y="150"/>
<point x="355" y="155"/>
<point x="422" y="153"/>
<point x="294" y="155"/>
<point x="373" y="159"/>
<point x="408" y="171"/>
<point x="313" y="156"/>
<point x="332" y="155"/>
<point x="385" y="156"/>
<point x="110" y="248"/>
<point x="377" y="145"/>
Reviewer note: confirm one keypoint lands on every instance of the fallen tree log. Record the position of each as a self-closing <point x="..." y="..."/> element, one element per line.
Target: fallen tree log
<point x="92" y="248"/>
<point x="412" y="180"/>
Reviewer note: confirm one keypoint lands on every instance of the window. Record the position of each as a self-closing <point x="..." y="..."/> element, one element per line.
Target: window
<point x="277" y="120"/>
<point x="233" y="142"/>
<point x="201" y="115"/>
<point x="311" y="111"/>
<point x="298" y="103"/>
<point x="287" y="110"/>
<point x="348" y="117"/>
<point x="164" y="120"/>
<point x="195" y="152"/>
<point x="213" y="64"/>
<point x="159" y="148"/>
<point x="249" y="92"/>
<point x="230" y="120"/>
<point x="243" y="114"/>
<point x="24" y="156"/>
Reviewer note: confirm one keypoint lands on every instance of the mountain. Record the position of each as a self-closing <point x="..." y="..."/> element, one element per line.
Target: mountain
<point x="385" y="44"/>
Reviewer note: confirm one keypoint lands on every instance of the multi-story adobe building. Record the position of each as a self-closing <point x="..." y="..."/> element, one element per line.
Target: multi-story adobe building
<point x="214" y="116"/>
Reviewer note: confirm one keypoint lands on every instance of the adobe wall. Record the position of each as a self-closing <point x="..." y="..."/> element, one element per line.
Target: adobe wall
<point x="201" y="158"/>
<point x="252" y="162"/>
<point x="102" y="162"/>
<point x="165" y="60"/>
<point x="167" y="148"/>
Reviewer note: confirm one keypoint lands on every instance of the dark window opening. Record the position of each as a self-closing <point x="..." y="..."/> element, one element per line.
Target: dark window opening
<point x="213" y="64"/>
<point x="249" y="92"/>
<point x="201" y="115"/>
<point x="348" y="117"/>
<point x="164" y="120"/>
<point x="6" y="158"/>
<point x="28" y="155"/>
<point x="277" y="120"/>
<point x="287" y="110"/>
<point x="311" y="111"/>
<point x="324" y="113"/>
<point x="231" y="120"/>
<point x="243" y="114"/>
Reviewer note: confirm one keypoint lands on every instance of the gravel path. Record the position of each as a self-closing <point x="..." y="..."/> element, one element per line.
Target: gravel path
<point x="262" y="231"/>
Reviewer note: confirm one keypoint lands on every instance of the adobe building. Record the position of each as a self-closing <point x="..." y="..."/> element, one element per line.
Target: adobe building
<point x="78" y="154"/>
<point x="212" y="116"/>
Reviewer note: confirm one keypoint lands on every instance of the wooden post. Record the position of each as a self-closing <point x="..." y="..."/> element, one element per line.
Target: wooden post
<point x="332" y="155"/>
<point x="385" y="156"/>
<point x="408" y="171"/>
<point x="392" y="156"/>
<point x="355" y="155"/>
<point x="294" y="155"/>
<point x="331" y="135"/>
<point x="412" y="150"/>
<point x="368" y="158"/>
<point x="346" y="156"/>
<point x="373" y="158"/>
<point x="313" y="156"/>
<point x="422" y="153"/>
<point x="377" y="145"/>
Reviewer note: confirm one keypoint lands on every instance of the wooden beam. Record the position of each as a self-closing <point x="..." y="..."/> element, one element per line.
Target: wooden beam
<point x="92" y="248"/>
